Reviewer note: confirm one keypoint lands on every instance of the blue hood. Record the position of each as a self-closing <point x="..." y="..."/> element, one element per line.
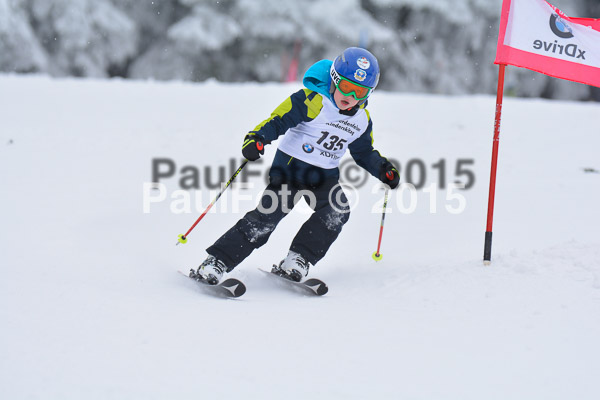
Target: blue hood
<point x="317" y="78"/>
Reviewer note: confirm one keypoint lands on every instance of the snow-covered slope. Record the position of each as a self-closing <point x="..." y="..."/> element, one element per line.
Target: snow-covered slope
<point x="92" y="307"/>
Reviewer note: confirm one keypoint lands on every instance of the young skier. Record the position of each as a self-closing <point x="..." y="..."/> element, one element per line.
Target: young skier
<point x="318" y="124"/>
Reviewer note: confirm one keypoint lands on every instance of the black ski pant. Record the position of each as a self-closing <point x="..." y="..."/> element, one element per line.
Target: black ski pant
<point x="331" y="212"/>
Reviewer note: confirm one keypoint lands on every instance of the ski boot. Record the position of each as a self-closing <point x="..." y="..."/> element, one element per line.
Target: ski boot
<point x="294" y="267"/>
<point x="211" y="271"/>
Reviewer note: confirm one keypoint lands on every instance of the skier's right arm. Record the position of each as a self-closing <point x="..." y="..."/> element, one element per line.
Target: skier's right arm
<point x="302" y="106"/>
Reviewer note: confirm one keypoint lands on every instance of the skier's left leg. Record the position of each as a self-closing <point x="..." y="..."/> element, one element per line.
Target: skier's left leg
<point x="317" y="234"/>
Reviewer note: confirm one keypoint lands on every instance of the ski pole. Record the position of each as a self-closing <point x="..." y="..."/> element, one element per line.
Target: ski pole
<point x="183" y="238"/>
<point x="377" y="255"/>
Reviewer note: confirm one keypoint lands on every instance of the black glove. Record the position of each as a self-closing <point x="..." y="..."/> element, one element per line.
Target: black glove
<point x="389" y="175"/>
<point x="253" y="147"/>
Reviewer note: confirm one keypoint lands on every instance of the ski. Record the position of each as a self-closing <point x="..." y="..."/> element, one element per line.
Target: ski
<point x="310" y="286"/>
<point x="230" y="288"/>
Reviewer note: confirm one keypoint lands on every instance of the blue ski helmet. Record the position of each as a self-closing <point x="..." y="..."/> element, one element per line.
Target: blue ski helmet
<point x="355" y="72"/>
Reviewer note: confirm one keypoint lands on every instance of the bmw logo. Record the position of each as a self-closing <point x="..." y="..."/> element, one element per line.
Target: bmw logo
<point x="560" y="28"/>
<point x="308" y="148"/>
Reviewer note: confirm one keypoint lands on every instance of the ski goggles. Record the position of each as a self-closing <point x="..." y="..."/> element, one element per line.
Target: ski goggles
<point x="348" y="87"/>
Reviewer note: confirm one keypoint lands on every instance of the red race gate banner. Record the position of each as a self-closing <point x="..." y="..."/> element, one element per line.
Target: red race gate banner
<point x="538" y="36"/>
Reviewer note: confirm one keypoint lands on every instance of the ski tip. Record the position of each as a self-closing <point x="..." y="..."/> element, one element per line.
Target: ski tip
<point x="234" y="286"/>
<point x="317" y="286"/>
<point x="230" y="288"/>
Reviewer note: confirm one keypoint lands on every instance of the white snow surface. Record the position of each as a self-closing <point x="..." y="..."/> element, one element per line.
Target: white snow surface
<point x="92" y="305"/>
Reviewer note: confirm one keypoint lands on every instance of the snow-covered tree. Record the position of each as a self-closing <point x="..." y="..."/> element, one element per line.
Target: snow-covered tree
<point x="20" y="50"/>
<point x="84" y="37"/>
